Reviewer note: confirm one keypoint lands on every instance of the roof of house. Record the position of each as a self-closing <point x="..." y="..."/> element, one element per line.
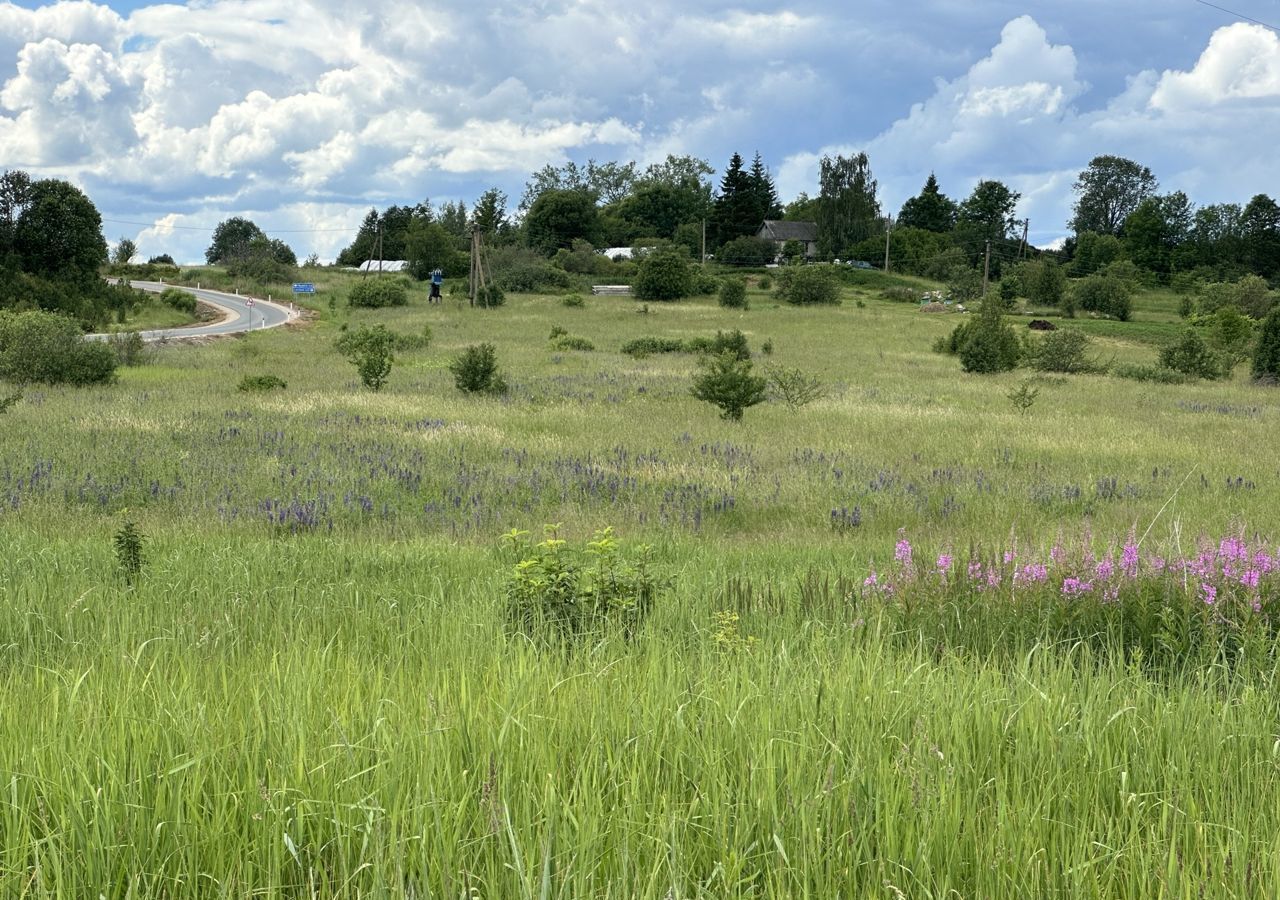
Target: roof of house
<point x="777" y="230"/>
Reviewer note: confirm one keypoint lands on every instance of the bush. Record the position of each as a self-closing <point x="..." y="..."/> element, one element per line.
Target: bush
<point x="807" y="285"/>
<point x="663" y="275"/>
<point x="647" y="346"/>
<point x="747" y="251"/>
<point x="766" y="283"/>
<point x="257" y="384"/>
<point x="1105" y="294"/>
<point x="369" y="350"/>
<point x="476" y="371"/>
<point x="964" y="284"/>
<point x="408" y="342"/>
<point x="1266" y="357"/>
<point x="557" y="593"/>
<point x="129" y="347"/>
<point x="704" y="283"/>
<point x="37" y="346"/>
<point x="490" y="297"/>
<point x="991" y="345"/>
<point x="1253" y="296"/>
<point x="1231" y="333"/>
<point x="952" y="343"/>
<point x="181" y="300"/>
<point x="533" y="277"/>
<point x="794" y="388"/>
<point x="375" y="293"/>
<point x="900" y="295"/>
<point x="1190" y="355"/>
<point x="1063" y="350"/>
<point x="734" y="342"/>
<point x="574" y="301"/>
<point x="1154" y="374"/>
<point x="733" y="293"/>
<point x="573" y="342"/>
<point x="727" y="382"/>
<point x="1044" y="282"/>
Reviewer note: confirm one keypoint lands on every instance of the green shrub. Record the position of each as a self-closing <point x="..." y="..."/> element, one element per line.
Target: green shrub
<point x="573" y="342"/>
<point x="476" y="371"/>
<point x="533" y="277"/>
<point x="647" y="346"/>
<point x="558" y="593"/>
<point x="406" y="343"/>
<point x="748" y="250"/>
<point x="704" y="283"/>
<point x="734" y="342"/>
<point x="733" y="293"/>
<point x="375" y="293"/>
<point x="766" y="283"/>
<point x="951" y="343"/>
<point x="964" y="284"/>
<point x="1266" y="356"/>
<point x="794" y="387"/>
<point x="1231" y="333"/>
<point x="258" y="384"/>
<point x="900" y="295"/>
<point x="1190" y="355"/>
<point x="663" y="275"/>
<point x="557" y="331"/>
<point x="181" y="300"/>
<point x="1154" y="374"/>
<point x="490" y="297"/>
<point x="129" y="555"/>
<point x="1044" y="282"/>
<point x="1107" y="295"/>
<point x="1065" y="350"/>
<point x="991" y="345"/>
<point x="807" y="285"/>
<point x="574" y="301"/>
<point x="726" y="381"/>
<point x="129" y="347"/>
<point x="37" y="346"/>
<point x="369" y="349"/>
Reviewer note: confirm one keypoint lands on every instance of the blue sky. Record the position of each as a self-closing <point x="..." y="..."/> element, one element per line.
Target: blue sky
<point x="303" y="114"/>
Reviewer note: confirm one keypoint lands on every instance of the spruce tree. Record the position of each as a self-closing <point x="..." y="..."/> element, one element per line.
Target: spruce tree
<point x="932" y="210"/>
<point x="733" y="207"/>
<point x="764" y="195"/>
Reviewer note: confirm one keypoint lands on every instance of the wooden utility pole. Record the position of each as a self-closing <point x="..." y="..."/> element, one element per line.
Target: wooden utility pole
<point x="986" y="270"/>
<point x="704" y="243"/>
<point x="1026" y="230"/>
<point x="477" y="267"/>
<point x="368" y="264"/>
<point x="888" y="230"/>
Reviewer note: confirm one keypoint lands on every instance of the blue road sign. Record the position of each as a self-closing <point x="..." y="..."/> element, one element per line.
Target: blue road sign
<point x="304" y="287"/>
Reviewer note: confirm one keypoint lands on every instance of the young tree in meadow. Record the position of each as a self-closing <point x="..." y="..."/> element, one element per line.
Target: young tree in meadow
<point x="931" y="210"/>
<point x="848" y="210"/>
<point x="1260" y="227"/>
<point x="1107" y="191"/>
<point x="1266" y="357"/>
<point x="124" y="251"/>
<point x="987" y="215"/>
<point x="727" y="381"/>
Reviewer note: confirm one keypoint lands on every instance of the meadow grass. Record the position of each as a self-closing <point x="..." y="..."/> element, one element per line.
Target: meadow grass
<point x="310" y="690"/>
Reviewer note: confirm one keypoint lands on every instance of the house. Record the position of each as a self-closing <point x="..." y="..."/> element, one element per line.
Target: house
<point x="780" y="233"/>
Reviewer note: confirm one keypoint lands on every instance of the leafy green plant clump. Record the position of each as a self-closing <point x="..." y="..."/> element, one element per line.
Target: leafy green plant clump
<point x="734" y="342"/>
<point x="369" y="349"/>
<point x="375" y="293"/>
<point x="573" y="342"/>
<point x="663" y="275"/>
<point x="1190" y="355"/>
<point x="809" y="285"/>
<point x="476" y="371"/>
<point x="259" y="384"/>
<point x="558" y="593"/>
<point x="733" y="293"/>
<point x="183" y="301"/>
<point x="1065" y="350"/>
<point x="727" y="382"/>
<point x="45" y="347"/>
<point x="1266" y="357"/>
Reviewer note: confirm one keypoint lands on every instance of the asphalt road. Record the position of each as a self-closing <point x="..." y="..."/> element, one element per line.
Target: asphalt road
<point x="240" y="314"/>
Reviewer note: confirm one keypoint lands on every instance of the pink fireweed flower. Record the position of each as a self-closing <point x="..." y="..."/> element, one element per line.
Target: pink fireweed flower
<point x="1263" y="561"/>
<point x="944" y="564"/>
<point x="1159" y="564"/>
<point x="1249" y="578"/>
<point x="871" y="581"/>
<point x="1233" y="548"/>
<point x="1035" y="572"/>
<point x="1209" y="593"/>
<point x="1111" y="594"/>
<point x="993" y="577"/>
<point x="975" y="570"/>
<point x="1104" y="569"/>
<point x="1129" y="558"/>
<point x="902" y="553"/>
<point x="1010" y="556"/>
<point x="1074" y="587"/>
<point x="1057" y="553"/>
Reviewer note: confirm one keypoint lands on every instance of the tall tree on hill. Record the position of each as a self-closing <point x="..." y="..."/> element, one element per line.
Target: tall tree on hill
<point x="490" y="212"/>
<point x="931" y="210"/>
<point x="365" y="243"/>
<point x="454" y="220"/>
<point x="1157" y="233"/>
<point x="848" y="210"/>
<point x="58" y="234"/>
<point x="15" y="194"/>
<point x="1107" y="192"/>
<point x="1216" y="235"/>
<point x="987" y="215"/>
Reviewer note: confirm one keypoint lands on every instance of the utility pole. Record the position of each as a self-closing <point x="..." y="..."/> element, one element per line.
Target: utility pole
<point x="704" y="243"/>
<point x="1026" y="230"/>
<point x="477" y="268"/>
<point x="986" y="270"/>
<point x="379" y="248"/>
<point x="888" y="230"/>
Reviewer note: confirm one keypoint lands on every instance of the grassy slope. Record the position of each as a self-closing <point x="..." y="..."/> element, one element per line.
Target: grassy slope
<point x="335" y="710"/>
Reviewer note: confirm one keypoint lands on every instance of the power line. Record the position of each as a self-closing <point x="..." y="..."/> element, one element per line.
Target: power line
<point x="1232" y="12"/>
<point x="208" y="229"/>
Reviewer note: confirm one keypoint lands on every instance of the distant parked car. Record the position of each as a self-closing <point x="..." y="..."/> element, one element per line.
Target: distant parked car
<point x="860" y="264"/>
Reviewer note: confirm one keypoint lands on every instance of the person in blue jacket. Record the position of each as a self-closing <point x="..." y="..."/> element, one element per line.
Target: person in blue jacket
<point x="437" y="282"/>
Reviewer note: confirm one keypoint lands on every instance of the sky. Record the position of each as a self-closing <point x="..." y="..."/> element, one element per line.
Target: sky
<point x="303" y="114"/>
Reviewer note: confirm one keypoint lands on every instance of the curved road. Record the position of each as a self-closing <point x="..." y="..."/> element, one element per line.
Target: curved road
<point x="240" y="314"/>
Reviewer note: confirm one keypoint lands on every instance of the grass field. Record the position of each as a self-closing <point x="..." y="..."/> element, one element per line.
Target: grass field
<point x="310" y="690"/>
